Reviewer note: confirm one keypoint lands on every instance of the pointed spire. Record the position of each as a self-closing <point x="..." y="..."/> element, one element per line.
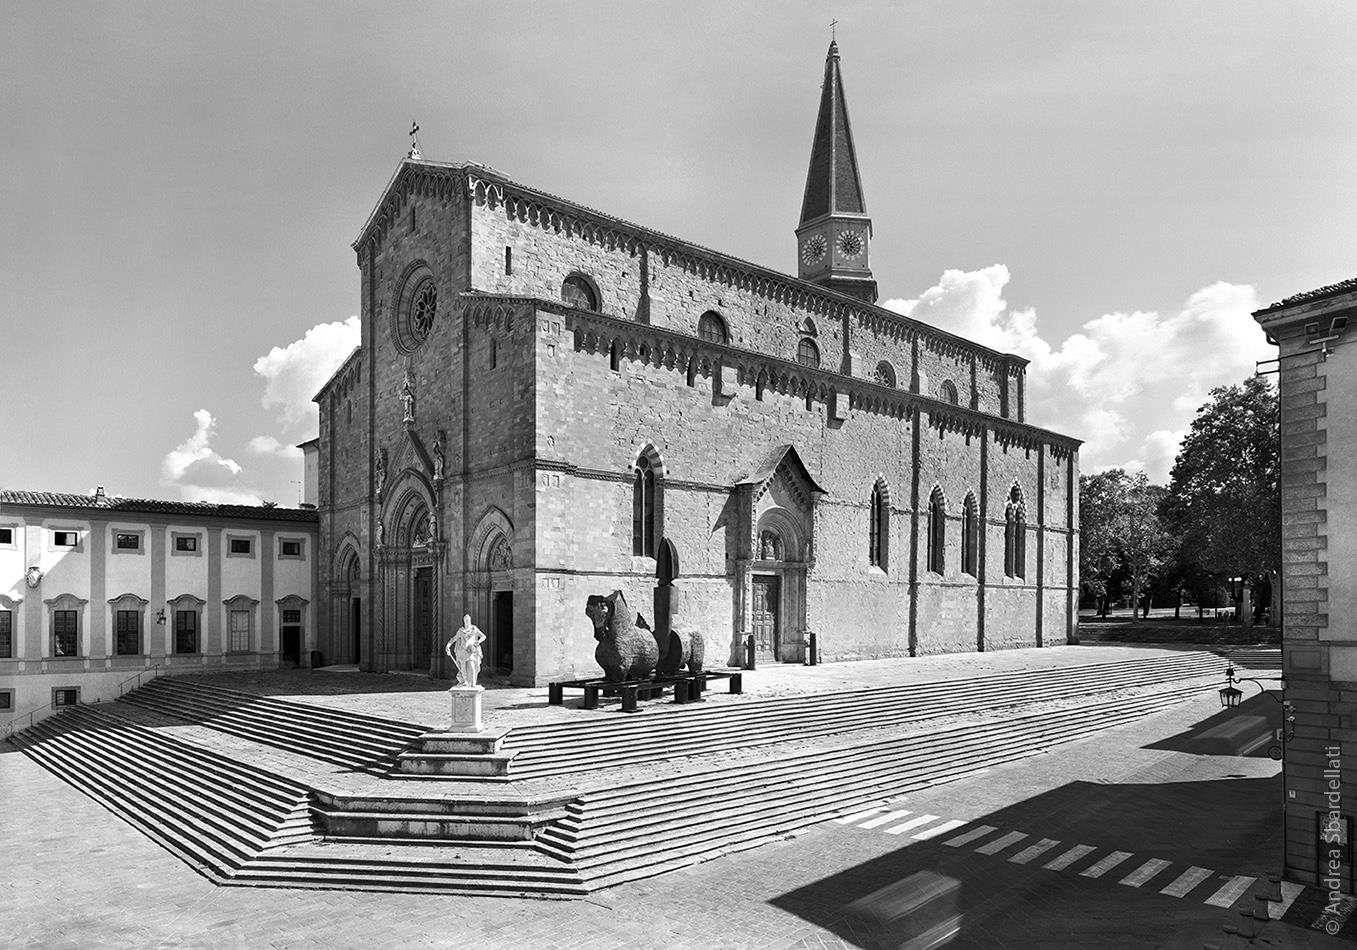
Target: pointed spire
<point x="832" y="184"/>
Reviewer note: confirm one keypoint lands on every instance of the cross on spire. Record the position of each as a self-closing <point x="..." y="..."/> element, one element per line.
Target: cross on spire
<point x="833" y="32"/>
<point x="414" y="142"/>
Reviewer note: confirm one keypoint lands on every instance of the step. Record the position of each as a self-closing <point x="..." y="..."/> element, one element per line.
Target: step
<point x="718" y="826"/>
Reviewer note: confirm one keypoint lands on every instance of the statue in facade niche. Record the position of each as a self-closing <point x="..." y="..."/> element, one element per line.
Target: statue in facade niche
<point x="379" y="478"/>
<point x="407" y="395"/>
<point x="464" y="649"/>
<point x="381" y="534"/>
<point x="432" y="522"/>
<point x="438" y="459"/>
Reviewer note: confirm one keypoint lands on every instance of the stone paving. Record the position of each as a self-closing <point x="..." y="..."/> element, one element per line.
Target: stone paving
<point x="76" y="877"/>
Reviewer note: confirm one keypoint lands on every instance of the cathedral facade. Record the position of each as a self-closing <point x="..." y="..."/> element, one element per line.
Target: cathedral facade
<point x="549" y="402"/>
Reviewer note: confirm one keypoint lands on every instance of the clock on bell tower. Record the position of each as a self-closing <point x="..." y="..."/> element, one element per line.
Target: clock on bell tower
<point x="834" y="236"/>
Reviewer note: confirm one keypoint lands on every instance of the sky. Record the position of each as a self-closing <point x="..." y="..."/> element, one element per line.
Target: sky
<point x="1107" y="189"/>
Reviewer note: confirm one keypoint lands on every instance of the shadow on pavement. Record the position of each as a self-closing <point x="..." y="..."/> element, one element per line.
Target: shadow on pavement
<point x="1247" y="730"/>
<point x="927" y="893"/>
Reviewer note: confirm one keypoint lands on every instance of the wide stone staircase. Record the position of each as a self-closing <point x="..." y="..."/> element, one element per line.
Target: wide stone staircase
<point x="214" y="813"/>
<point x="656" y="791"/>
<point x="356" y="742"/>
<point x="639" y="829"/>
<point x="609" y="741"/>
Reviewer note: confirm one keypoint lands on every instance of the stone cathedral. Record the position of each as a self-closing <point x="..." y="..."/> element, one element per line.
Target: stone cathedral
<point x="550" y="402"/>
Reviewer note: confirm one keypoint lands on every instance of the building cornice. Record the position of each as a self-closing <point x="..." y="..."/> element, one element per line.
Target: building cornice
<point x="598" y="333"/>
<point x="490" y="188"/>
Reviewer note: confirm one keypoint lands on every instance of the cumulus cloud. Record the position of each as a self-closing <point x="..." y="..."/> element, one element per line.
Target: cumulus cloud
<point x="203" y="474"/>
<point x="292" y="374"/>
<point x="268" y="445"/>
<point x="1128" y="382"/>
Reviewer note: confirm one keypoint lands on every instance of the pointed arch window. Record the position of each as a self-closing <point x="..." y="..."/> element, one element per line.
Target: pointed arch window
<point x="879" y="528"/>
<point x="807" y="353"/>
<point x="1015" y="535"/>
<point x="937" y="533"/>
<point x="643" y="508"/>
<point x="970" y="536"/>
<point x="710" y="326"/>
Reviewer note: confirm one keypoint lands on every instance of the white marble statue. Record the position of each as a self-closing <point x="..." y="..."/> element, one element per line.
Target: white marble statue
<point x="465" y="650"/>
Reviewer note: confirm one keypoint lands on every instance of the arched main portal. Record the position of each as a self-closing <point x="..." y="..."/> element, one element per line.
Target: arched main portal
<point x="410" y="552"/>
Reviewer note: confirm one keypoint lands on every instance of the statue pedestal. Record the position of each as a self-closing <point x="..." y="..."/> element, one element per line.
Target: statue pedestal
<point x="466" y="708"/>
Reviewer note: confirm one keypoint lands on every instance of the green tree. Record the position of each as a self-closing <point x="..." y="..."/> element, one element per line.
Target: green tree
<point x="1120" y="533"/>
<point x="1224" y="499"/>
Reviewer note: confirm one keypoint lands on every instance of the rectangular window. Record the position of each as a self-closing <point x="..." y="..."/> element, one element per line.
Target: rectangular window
<point x="65" y="633"/>
<point x="6" y="700"/>
<point x="127" y="541"/>
<point x="291" y="549"/>
<point x="69" y="696"/>
<point x="186" y="544"/>
<point x="292" y="616"/>
<point x="186" y="631"/>
<point x="241" y="545"/>
<point x="6" y="535"/>
<point x="127" y="623"/>
<point x="6" y="634"/>
<point x="508" y="260"/>
<point x="65" y="539"/>
<point x="240" y="631"/>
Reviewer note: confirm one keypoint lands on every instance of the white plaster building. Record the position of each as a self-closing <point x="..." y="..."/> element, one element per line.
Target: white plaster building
<point x="95" y="590"/>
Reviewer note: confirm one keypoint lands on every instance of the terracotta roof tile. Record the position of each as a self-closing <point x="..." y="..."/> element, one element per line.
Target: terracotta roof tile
<point x="9" y="496"/>
<point x="1316" y="294"/>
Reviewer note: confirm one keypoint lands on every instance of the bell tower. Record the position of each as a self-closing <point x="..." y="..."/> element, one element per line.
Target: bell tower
<point x="833" y="240"/>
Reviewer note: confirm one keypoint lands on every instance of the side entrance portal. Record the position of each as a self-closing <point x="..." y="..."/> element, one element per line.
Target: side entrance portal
<point x="764" y="614"/>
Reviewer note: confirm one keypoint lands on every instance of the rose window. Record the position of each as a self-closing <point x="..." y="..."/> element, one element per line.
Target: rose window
<point x="423" y="311"/>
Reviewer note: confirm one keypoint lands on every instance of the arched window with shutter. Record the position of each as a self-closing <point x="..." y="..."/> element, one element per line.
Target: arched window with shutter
<point x="1015" y="535"/>
<point x="937" y="532"/>
<point x="879" y="527"/>
<point x="970" y="536"/>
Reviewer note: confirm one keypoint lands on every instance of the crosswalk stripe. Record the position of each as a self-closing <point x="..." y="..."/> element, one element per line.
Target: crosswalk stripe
<point x="1106" y="864"/>
<point x="912" y="823"/>
<point x="1231" y="891"/>
<point x="857" y="816"/>
<point x="941" y="829"/>
<point x="998" y="844"/>
<point x="1289" y="894"/>
<point x="1143" y="873"/>
<point x="1186" y="881"/>
<point x="1034" y="851"/>
<point x="1069" y="857"/>
<point x="880" y="820"/>
<point x="969" y="836"/>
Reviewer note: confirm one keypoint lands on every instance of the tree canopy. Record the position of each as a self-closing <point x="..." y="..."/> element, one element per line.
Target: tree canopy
<point x="1224" y="497"/>
<point x="1120" y="535"/>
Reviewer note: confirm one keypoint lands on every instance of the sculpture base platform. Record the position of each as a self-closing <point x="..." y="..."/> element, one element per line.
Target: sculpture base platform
<point x="466" y="708"/>
<point x="459" y="753"/>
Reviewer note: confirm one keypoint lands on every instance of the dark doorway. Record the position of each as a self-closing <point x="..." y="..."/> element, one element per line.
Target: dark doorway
<point x="356" y="624"/>
<point x="763" y="613"/>
<point x="421" y="633"/>
<point x="502" y="622"/>
<point x="292" y="643"/>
